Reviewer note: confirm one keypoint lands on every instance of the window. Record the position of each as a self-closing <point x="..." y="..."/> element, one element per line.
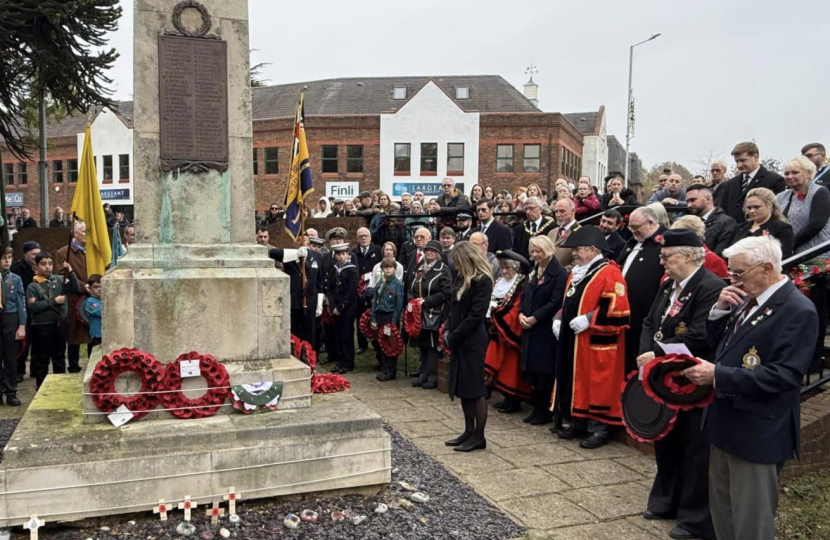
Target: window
<point x="354" y="159"/>
<point x="272" y="164"/>
<point x="22" y="174"/>
<point x="462" y="92"/>
<point x="403" y="153"/>
<point x="256" y="164"/>
<point x="429" y="158"/>
<point x="330" y="159"/>
<point x="8" y="172"/>
<point x="72" y="170"/>
<point x="123" y="167"/>
<point x="532" y="158"/>
<point x="57" y="171"/>
<point x="107" y="168"/>
<point x="399" y="92"/>
<point x="504" y="158"/>
<point x="455" y="158"/>
<point x="571" y="166"/>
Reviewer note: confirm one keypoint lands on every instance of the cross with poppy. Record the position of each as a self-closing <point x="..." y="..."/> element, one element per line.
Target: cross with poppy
<point x="161" y="509"/>
<point x="214" y="513"/>
<point x="232" y="497"/>
<point x="187" y="505"/>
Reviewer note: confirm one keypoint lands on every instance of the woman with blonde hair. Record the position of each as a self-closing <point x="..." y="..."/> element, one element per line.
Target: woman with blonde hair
<point x="764" y="218"/>
<point x="466" y="337"/>
<point x="806" y="205"/>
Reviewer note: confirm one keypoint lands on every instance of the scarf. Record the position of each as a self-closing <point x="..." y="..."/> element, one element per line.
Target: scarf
<point x="40" y="279"/>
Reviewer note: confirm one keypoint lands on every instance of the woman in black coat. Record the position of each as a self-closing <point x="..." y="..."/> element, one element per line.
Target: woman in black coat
<point x="466" y="337"/>
<point x="764" y="218"/>
<point x="542" y="299"/>
<point x="432" y="284"/>
<point x="617" y="195"/>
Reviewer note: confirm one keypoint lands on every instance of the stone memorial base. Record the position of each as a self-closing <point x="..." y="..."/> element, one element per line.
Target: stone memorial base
<point x="62" y="469"/>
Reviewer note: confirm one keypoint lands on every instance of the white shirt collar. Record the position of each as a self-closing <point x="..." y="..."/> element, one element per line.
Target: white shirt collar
<point x="753" y="173"/>
<point x="538" y="222"/>
<point x="488" y="223"/>
<point x="569" y="225"/>
<point x="686" y="281"/>
<point x="705" y="216"/>
<point x="767" y="294"/>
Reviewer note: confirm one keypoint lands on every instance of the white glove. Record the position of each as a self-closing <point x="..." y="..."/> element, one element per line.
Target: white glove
<point x="302" y="252"/>
<point x="557" y="327"/>
<point x="320" y="297"/>
<point x="290" y="255"/>
<point x="580" y="324"/>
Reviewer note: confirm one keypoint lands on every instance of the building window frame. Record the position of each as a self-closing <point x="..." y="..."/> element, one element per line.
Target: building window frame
<point x="8" y="174"/>
<point x="106" y="169"/>
<point x="428" y="159"/>
<point x="354" y="158"/>
<point x="123" y="168"/>
<point x="455" y="152"/>
<point x="328" y="163"/>
<point x="57" y="171"/>
<point x="255" y="163"/>
<point x="504" y="158"/>
<point x="462" y="92"/>
<point x="402" y="159"/>
<point x="532" y="164"/>
<point x="72" y="172"/>
<point x="22" y="173"/>
<point x="272" y="160"/>
<point x="399" y="92"/>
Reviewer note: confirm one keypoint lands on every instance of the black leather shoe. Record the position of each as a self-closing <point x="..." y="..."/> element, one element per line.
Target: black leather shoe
<point x="541" y="419"/>
<point x="511" y="408"/>
<point x="13" y="401"/>
<point x="501" y="404"/>
<point x="679" y="533"/>
<point x="360" y="350"/>
<point x="345" y="370"/>
<point x="74" y="369"/>
<point x="594" y="441"/>
<point x="471" y="445"/>
<point x="415" y="373"/>
<point x="429" y="385"/>
<point x="653" y="515"/>
<point x="529" y="418"/>
<point x="461" y="439"/>
<point x="417" y="383"/>
<point x="571" y="433"/>
<point x="327" y="360"/>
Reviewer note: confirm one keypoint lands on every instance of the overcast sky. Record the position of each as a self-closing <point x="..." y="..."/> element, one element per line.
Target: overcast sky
<point x="722" y="72"/>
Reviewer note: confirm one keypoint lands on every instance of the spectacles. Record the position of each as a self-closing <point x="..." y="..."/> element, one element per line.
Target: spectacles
<point x="420" y="236"/>
<point x="739" y="276"/>
<point x="715" y="170"/>
<point x="811" y="156"/>
<point x="666" y="256"/>
<point x="635" y="228"/>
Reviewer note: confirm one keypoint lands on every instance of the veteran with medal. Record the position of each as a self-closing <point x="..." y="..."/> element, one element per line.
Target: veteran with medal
<point x="590" y="369"/>
<point x="678" y="315"/>
<point x="765" y="331"/>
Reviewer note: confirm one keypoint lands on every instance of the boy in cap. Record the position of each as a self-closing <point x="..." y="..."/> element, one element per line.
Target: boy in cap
<point x="13" y="327"/>
<point x="341" y="297"/>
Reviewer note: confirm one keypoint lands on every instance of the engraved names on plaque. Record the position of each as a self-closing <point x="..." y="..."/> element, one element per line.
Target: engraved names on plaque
<point x="193" y="103"/>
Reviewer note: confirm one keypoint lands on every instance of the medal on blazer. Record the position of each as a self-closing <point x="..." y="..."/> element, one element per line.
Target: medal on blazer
<point x="658" y="336"/>
<point x="571" y="290"/>
<point x="751" y="359"/>
<point x="681" y="329"/>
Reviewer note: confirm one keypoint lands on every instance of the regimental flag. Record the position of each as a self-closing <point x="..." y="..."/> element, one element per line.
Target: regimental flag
<point x="86" y="204"/>
<point x="299" y="179"/>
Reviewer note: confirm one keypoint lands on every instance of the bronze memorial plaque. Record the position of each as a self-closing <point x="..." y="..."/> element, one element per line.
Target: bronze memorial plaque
<point x="193" y="103"/>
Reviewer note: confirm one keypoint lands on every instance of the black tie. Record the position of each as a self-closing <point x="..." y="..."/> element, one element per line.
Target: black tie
<point x="533" y="226"/>
<point x="743" y="316"/>
<point x="745" y="183"/>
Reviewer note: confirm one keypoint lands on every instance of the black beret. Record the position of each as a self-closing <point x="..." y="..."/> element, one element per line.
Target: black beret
<point x="434" y="245"/>
<point x="681" y="237"/>
<point x="365" y="194"/>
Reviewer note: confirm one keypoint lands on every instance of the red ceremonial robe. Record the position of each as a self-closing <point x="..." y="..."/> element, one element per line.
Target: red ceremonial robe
<point x="504" y="353"/>
<point x="599" y="352"/>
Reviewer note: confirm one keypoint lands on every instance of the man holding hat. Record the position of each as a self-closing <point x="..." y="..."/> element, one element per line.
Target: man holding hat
<point x="465" y="226"/>
<point x="591" y="333"/>
<point x="678" y="315"/>
<point x="341" y="297"/>
<point x="25" y="268"/>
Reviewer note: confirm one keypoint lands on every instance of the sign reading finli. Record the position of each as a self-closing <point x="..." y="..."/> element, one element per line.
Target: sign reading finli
<point x="343" y="190"/>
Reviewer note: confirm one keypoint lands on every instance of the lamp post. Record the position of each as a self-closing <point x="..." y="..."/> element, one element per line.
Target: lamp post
<point x="628" y="104"/>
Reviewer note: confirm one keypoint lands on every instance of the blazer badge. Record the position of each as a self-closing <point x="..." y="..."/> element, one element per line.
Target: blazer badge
<point x="751" y="359"/>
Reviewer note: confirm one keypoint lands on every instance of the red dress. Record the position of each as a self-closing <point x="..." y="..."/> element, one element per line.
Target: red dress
<point x="504" y="353"/>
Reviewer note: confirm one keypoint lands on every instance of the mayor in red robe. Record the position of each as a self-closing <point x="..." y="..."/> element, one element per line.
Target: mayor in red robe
<point x="504" y="353"/>
<point x="591" y="331"/>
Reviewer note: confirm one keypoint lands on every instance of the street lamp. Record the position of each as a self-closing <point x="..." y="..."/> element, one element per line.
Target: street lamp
<point x="628" y="105"/>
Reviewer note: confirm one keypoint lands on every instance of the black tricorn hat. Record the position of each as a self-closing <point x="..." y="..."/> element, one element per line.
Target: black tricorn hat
<point x="513" y="256"/>
<point x="645" y="419"/>
<point x="587" y="236"/>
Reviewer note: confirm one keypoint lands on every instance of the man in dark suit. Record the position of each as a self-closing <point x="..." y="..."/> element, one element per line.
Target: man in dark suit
<point x="465" y="226"/>
<point x="306" y="304"/>
<point x="535" y="224"/>
<point x="765" y="330"/>
<point x="609" y="224"/>
<point x="816" y="153"/>
<point x="678" y="315"/>
<point x="751" y="174"/>
<point x="365" y="256"/>
<point x="640" y="263"/>
<point x="719" y="227"/>
<point x="499" y="237"/>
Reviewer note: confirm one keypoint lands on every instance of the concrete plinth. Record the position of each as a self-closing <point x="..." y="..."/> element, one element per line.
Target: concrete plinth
<point x="62" y="469"/>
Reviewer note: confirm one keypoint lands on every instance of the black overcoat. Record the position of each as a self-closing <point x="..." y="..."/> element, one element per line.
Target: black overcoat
<point x="542" y="299"/>
<point x="468" y="339"/>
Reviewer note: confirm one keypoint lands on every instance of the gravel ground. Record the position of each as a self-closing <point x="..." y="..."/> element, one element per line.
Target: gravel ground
<point x="7" y="427"/>
<point x="455" y="512"/>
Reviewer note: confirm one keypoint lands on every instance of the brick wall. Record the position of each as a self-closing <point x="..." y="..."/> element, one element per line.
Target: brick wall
<point x="815" y="435"/>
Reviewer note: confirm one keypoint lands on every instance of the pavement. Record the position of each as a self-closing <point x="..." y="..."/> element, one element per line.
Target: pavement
<point x="552" y="486"/>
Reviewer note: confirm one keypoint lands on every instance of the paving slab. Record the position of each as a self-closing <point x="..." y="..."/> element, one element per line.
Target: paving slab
<point x="435" y="446"/>
<point x="381" y="406"/>
<point x="640" y="463"/>
<point x="419" y="397"/>
<point x="524" y="436"/>
<point x="609" y="530"/>
<point x="414" y="414"/>
<point x="612" y="450"/>
<point x="608" y="502"/>
<point x="466" y="463"/>
<point x="493" y="424"/>
<point x="593" y="472"/>
<point x="657" y="527"/>
<point x="547" y="511"/>
<point x="537" y="454"/>
<point x="426" y="428"/>
<point x="515" y="483"/>
<point x="379" y="393"/>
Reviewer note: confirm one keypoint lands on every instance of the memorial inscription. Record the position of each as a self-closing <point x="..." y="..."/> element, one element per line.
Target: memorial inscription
<point x="193" y="103"/>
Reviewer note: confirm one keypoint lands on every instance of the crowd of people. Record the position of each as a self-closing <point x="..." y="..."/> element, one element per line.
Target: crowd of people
<point x="528" y="301"/>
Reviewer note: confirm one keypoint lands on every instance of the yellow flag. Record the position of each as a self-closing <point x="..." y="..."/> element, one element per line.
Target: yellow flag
<point x="87" y="207"/>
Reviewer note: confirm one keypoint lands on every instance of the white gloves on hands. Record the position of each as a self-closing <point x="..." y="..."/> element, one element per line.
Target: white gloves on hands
<point x="319" y="310"/>
<point x="580" y="324"/>
<point x="557" y="327"/>
<point x="302" y="252"/>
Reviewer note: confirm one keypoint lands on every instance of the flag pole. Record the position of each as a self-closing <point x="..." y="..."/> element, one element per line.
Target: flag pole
<point x="302" y="208"/>
<point x="69" y="245"/>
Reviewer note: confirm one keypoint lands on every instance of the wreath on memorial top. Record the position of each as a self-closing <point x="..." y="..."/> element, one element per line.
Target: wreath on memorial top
<point x="111" y="366"/>
<point x="210" y="402"/>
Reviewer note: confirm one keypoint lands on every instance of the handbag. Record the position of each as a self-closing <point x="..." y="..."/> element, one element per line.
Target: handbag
<point x="430" y="319"/>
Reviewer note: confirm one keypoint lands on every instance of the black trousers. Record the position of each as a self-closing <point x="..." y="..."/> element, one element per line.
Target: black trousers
<point x="304" y="325"/>
<point x="387" y="364"/>
<point x="23" y="352"/>
<point x="8" y="346"/>
<point x="362" y="342"/>
<point x="48" y="344"/>
<point x="74" y="356"/>
<point x="542" y="384"/>
<point x="344" y="340"/>
<point x="681" y="487"/>
<point x="429" y="365"/>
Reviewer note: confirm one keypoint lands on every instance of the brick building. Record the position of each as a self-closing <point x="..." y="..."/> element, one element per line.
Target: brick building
<point x="394" y="133"/>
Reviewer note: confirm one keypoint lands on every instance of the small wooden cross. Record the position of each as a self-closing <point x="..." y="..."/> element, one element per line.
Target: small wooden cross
<point x="232" y="497"/>
<point x="161" y="509"/>
<point x="214" y="513"/>
<point x="33" y="525"/>
<point x="187" y="506"/>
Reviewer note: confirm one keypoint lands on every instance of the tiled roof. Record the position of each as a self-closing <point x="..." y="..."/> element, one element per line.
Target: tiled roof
<point x="588" y="123"/>
<point x="374" y="95"/>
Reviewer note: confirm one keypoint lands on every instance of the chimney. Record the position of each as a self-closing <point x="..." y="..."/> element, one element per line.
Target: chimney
<point x="532" y="92"/>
